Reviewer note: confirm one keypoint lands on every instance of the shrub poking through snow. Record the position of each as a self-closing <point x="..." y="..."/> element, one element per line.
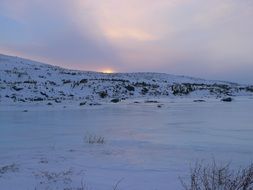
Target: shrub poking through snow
<point x="103" y="94"/>
<point x="130" y="88"/>
<point x="219" y="177"/>
<point x="94" y="139"/>
<point x="182" y="89"/>
<point x="144" y="91"/>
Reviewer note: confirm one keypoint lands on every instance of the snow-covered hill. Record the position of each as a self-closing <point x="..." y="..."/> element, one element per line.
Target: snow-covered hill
<point x="28" y="81"/>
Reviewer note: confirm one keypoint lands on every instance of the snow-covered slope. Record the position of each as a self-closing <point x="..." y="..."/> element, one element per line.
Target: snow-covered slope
<point x="28" y="81"/>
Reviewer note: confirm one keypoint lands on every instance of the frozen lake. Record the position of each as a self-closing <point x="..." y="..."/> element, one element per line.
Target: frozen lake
<point x="145" y="147"/>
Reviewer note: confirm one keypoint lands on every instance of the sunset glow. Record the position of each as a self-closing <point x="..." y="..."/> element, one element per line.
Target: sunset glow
<point x="107" y="71"/>
<point x="127" y="33"/>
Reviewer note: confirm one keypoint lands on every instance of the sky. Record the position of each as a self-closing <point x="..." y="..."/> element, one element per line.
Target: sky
<point x="210" y="39"/>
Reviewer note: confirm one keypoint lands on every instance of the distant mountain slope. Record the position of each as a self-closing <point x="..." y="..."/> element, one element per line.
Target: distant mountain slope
<point x="28" y="81"/>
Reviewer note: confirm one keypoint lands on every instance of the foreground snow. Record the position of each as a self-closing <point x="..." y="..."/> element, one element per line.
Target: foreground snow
<point x="146" y="146"/>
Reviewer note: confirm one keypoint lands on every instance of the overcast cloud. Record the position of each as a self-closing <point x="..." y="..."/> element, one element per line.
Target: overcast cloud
<point x="210" y="39"/>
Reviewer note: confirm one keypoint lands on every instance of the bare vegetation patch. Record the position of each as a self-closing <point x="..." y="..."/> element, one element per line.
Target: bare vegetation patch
<point x="51" y="180"/>
<point x="103" y="94"/>
<point x="56" y="176"/>
<point x="94" y="139"/>
<point x="219" y="177"/>
<point x="8" y="169"/>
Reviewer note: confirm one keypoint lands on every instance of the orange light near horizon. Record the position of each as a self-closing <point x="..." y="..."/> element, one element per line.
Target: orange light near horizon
<point x="107" y="71"/>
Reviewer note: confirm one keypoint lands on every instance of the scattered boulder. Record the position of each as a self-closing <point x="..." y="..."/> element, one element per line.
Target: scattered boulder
<point x="249" y="88"/>
<point x="115" y="100"/>
<point x="16" y="88"/>
<point x="152" y="101"/>
<point x="38" y="99"/>
<point x="228" y="99"/>
<point x="83" y="81"/>
<point x="57" y="101"/>
<point x="95" y="104"/>
<point x="82" y="103"/>
<point x="44" y="94"/>
<point x="199" y="101"/>
<point x="66" y="81"/>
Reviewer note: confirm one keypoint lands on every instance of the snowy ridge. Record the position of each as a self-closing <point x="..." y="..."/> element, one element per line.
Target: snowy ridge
<point x="27" y="81"/>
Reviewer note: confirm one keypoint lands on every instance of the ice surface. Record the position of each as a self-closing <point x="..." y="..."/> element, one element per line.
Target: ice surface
<point x="146" y="147"/>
